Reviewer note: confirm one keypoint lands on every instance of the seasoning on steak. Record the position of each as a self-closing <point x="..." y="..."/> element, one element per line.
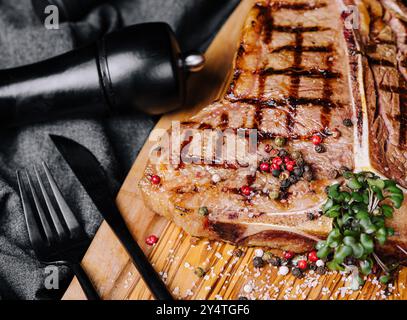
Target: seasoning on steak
<point x="307" y="86"/>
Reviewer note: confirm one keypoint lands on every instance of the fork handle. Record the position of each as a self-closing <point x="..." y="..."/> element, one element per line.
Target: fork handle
<point x="85" y="282"/>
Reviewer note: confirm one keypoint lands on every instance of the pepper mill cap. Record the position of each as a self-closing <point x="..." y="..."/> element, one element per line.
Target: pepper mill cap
<point x="194" y="61"/>
<point x="149" y="76"/>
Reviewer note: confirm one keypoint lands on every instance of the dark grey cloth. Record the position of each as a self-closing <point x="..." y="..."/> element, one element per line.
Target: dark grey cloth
<point x="115" y="142"/>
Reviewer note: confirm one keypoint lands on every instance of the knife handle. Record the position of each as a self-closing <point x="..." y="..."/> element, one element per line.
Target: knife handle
<point x="146" y="270"/>
<point x="85" y="282"/>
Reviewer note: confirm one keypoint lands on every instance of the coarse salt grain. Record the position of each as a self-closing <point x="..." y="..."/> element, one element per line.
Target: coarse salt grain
<point x="258" y="253"/>
<point x="216" y="178"/>
<point x="247" y="288"/>
<point x="320" y="263"/>
<point x="283" y="270"/>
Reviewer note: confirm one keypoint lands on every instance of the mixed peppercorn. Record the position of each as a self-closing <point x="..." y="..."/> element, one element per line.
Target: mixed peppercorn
<point x="155" y="179"/>
<point x="347" y="122"/>
<point x="151" y="240"/>
<point x="289" y="168"/>
<point x="203" y="211"/>
<point x="298" y="264"/>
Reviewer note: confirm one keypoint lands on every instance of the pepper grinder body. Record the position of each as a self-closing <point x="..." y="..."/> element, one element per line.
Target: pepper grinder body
<point x="139" y="68"/>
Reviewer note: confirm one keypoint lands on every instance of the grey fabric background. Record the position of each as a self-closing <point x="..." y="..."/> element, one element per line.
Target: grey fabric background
<point x="115" y="142"/>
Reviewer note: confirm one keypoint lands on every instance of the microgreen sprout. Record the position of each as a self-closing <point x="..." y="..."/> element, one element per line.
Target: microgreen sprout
<point x="359" y="209"/>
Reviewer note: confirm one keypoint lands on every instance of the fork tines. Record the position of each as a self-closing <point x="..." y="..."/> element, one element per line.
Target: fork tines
<point x="40" y="222"/>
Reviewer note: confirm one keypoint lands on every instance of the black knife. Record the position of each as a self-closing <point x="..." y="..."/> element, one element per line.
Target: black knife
<point x="92" y="176"/>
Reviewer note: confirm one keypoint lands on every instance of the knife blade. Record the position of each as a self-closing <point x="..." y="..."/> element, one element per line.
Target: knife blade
<point x="92" y="176"/>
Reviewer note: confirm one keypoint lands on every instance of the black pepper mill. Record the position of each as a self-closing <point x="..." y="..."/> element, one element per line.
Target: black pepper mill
<point x="137" y="68"/>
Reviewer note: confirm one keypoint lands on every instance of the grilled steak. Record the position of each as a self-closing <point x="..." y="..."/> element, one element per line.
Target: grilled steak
<point x="300" y="72"/>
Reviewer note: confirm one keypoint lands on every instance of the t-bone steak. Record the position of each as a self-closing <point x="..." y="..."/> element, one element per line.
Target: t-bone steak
<point x="332" y="69"/>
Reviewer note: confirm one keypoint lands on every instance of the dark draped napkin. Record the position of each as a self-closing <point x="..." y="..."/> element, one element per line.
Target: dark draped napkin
<point x="116" y="142"/>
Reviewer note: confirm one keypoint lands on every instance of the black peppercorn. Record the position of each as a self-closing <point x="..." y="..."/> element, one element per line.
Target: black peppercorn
<point x="258" y="262"/>
<point x="308" y="176"/>
<point x="283" y="153"/>
<point x="313" y="267"/>
<point x="298" y="171"/>
<point x="387" y="291"/>
<point x="321" y="270"/>
<point x="310" y="216"/>
<point x="242" y="298"/>
<point x="276" y="173"/>
<point x="199" y="272"/>
<point x="284" y="261"/>
<point x="285" y="184"/>
<point x="300" y="161"/>
<point x="275" y="261"/>
<point x="283" y="194"/>
<point x="297" y="272"/>
<point x="203" y="211"/>
<point x="347" y="122"/>
<point x="320" y="148"/>
<point x="272" y="259"/>
<point x="237" y="253"/>
<point x="293" y="179"/>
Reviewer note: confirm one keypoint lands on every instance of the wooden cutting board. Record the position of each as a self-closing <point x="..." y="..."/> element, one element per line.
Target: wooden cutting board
<point x="175" y="256"/>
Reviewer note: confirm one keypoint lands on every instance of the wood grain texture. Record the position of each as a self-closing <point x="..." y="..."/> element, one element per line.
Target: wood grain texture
<point x="174" y="257"/>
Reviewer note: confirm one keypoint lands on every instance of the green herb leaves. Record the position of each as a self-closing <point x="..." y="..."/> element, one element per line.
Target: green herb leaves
<point x="394" y="193"/>
<point x="359" y="209"/>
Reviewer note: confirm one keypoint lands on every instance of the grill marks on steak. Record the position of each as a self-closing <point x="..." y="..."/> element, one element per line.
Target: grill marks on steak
<point x="288" y="82"/>
<point x="296" y="74"/>
<point x="387" y="110"/>
<point x="295" y="64"/>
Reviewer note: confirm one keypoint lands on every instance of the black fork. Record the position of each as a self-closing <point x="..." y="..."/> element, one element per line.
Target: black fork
<point x="56" y="237"/>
